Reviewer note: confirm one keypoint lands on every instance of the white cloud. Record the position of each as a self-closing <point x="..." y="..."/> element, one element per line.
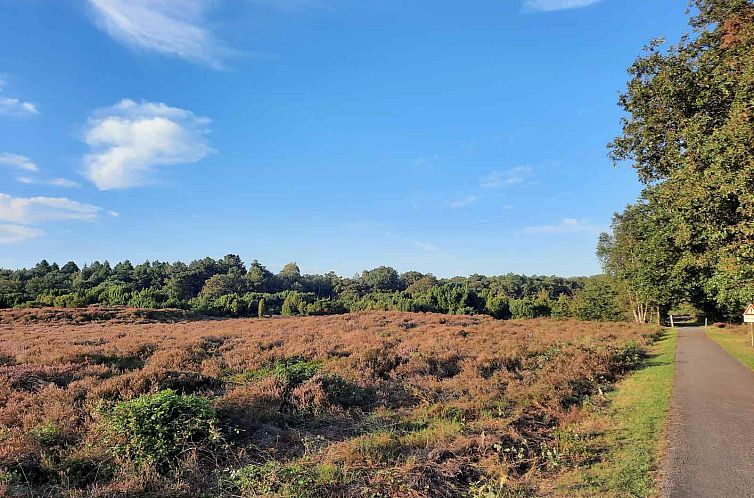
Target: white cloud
<point x="550" y="5"/>
<point x="13" y="234"/>
<point x="170" y="27"/>
<point x="130" y="140"/>
<point x="427" y="247"/>
<point x="566" y="225"/>
<point x="29" y="210"/>
<point x="513" y="176"/>
<point x="15" y="107"/>
<point x="17" y="161"/>
<point x="55" y="182"/>
<point x="464" y="201"/>
<point x="62" y="182"/>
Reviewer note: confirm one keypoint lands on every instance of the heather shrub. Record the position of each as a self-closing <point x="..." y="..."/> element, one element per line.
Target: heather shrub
<point x="393" y="404"/>
<point x="327" y="392"/>
<point x="155" y="429"/>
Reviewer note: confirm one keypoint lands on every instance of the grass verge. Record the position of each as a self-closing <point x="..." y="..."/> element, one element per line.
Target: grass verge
<point x="629" y="430"/>
<point x="736" y="341"/>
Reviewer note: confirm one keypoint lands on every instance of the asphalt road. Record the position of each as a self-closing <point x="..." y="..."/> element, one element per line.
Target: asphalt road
<point x="710" y="450"/>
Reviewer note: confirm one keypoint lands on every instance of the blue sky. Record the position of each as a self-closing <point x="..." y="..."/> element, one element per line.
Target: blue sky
<point x="443" y="136"/>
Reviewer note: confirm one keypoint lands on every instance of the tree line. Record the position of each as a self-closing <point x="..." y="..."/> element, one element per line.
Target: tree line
<point x="226" y="286"/>
<point x="689" y="134"/>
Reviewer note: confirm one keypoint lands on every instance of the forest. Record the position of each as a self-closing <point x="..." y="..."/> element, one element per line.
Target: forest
<point x="227" y="287"/>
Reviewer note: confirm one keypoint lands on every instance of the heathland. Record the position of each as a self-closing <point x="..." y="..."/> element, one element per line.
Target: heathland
<point x="122" y="402"/>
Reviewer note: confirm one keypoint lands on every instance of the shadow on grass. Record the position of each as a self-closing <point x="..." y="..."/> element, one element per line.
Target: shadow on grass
<point x="653" y="359"/>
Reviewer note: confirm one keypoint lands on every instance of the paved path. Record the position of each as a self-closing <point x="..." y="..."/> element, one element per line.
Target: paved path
<point x="711" y="433"/>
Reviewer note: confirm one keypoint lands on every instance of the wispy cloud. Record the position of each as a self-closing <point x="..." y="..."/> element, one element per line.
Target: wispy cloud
<point x="464" y="201"/>
<point x="550" y="5"/>
<point x="55" y="182"/>
<point x="428" y="247"/>
<point x="130" y="140"/>
<point x="31" y="210"/>
<point x="513" y="176"/>
<point x="15" y="107"/>
<point x="25" y="164"/>
<point x="17" y="161"/>
<point x="291" y="5"/>
<point x="566" y="225"/>
<point x="13" y="234"/>
<point x="62" y="182"/>
<point x="169" y="27"/>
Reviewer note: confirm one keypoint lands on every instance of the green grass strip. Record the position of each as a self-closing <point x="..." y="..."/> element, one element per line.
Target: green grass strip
<point x="736" y="342"/>
<point x="637" y="414"/>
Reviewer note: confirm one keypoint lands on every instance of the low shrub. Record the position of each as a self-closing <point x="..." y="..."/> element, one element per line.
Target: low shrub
<point x="155" y="429"/>
<point x="274" y="478"/>
<point x="627" y="358"/>
<point x="290" y="371"/>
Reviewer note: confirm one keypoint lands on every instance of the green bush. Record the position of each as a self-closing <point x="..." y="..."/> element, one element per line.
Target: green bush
<point x="290" y="371"/>
<point x="498" y="307"/>
<point x="155" y="429"/>
<point x="522" y="308"/>
<point x="285" y="480"/>
<point x="293" y="304"/>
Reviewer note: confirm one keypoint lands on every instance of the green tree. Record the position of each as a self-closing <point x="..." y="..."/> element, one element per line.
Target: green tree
<point x="219" y="285"/>
<point x="382" y="279"/>
<point x="293" y="304"/>
<point x="260" y="279"/>
<point x="689" y="134"/>
<point x="599" y="300"/>
<point x="646" y="264"/>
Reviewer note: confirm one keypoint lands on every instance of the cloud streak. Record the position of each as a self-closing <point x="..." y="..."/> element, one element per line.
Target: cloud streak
<point x="513" y="176"/>
<point x="31" y="210"/>
<point x="130" y="140"/>
<point x="552" y="5"/>
<point x="55" y="182"/>
<point x="168" y="27"/>
<point x="566" y="225"/>
<point x="428" y="247"/>
<point x="464" y="201"/>
<point x="23" y="163"/>
<point x="17" y="161"/>
<point x="13" y="234"/>
<point x="15" y="107"/>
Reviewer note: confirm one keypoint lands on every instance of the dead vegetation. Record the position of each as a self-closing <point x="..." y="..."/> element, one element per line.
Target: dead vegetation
<point x="381" y="404"/>
<point x="79" y="316"/>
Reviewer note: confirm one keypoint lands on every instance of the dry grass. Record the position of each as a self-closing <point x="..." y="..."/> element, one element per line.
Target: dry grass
<point x="372" y="404"/>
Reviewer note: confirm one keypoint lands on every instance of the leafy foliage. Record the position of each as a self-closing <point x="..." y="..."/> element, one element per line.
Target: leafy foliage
<point x="689" y="133"/>
<point x="225" y="287"/>
<point x="154" y="429"/>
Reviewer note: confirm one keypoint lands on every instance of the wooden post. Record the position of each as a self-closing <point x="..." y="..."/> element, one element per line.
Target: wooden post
<point x="672" y="325"/>
<point x="705" y="322"/>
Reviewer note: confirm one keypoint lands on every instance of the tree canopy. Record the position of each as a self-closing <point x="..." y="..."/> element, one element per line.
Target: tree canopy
<point x="689" y="134"/>
<point x="224" y="286"/>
